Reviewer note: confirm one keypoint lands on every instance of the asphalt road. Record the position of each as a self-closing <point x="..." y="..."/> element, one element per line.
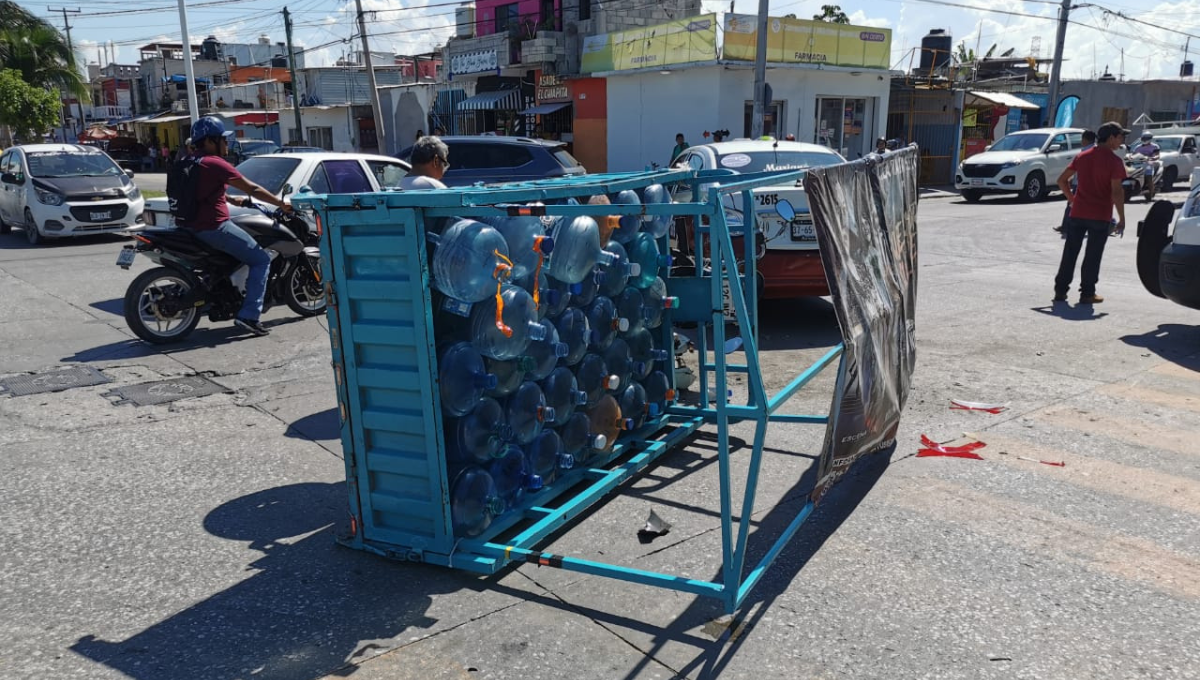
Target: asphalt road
<point x="195" y="540"/>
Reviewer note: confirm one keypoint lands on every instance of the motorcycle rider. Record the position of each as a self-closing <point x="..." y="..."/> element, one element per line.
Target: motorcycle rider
<point x="1151" y="151"/>
<point x="212" y="225"/>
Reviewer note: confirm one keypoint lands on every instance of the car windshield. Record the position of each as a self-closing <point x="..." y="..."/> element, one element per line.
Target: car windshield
<point x="258" y="147"/>
<point x="1024" y="142"/>
<point x="268" y="173"/>
<point x="776" y="161"/>
<point x="1168" y="143"/>
<point x="71" y="164"/>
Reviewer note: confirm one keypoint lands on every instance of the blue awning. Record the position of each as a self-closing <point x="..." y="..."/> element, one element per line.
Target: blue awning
<point x="544" y="108"/>
<point x="503" y="100"/>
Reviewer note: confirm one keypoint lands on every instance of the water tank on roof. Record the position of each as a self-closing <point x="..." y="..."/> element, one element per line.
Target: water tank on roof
<point x="935" y="50"/>
<point x="464" y="21"/>
<point x="264" y="39"/>
<point x="1185" y="70"/>
<point x="210" y="49"/>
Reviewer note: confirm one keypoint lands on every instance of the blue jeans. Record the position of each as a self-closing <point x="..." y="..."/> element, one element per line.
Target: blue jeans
<point x="1096" y="232"/>
<point x="230" y="238"/>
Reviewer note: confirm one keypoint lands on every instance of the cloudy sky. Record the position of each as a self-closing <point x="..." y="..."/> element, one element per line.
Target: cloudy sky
<point x="1103" y="35"/>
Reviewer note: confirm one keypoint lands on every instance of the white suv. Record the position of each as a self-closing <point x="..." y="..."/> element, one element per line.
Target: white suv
<point x="1026" y="163"/>
<point x="60" y="190"/>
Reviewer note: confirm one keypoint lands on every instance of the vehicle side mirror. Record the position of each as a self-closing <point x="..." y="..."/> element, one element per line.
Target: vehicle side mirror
<point x="306" y="189"/>
<point x="8" y="178"/>
<point x="785" y="210"/>
<point x="129" y="173"/>
<point x="1054" y="147"/>
<point x="287" y="189"/>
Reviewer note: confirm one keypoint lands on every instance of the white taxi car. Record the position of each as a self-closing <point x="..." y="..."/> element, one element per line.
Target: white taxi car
<point x="285" y="173"/>
<point x="61" y="190"/>
<point x="1026" y="163"/>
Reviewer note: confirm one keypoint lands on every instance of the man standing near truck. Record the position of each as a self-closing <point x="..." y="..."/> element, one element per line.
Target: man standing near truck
<point x="1099" y="190"/>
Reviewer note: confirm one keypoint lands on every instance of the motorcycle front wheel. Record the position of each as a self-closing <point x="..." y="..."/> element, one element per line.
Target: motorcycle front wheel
<point x="303" y="291"/>
<point x="155" y="306"/>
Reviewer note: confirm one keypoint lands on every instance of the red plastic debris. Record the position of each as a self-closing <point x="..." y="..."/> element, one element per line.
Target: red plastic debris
<point x="926" y="453"/>
<point x="960" y="405"/>
<point x="942" y="448"/>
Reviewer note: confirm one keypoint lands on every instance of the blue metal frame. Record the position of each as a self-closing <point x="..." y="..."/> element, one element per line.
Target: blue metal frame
<point x="349" y="222"/>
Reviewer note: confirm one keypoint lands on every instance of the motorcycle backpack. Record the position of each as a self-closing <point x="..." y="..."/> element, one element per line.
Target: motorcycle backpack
<point x="183" y="185"/>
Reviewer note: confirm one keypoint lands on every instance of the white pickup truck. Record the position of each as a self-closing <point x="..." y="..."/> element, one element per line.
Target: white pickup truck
<point x="1179" y="157"/>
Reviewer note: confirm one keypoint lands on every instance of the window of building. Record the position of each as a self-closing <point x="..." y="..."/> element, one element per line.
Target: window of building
<point x="507" y="16"/>
<point x="772" y="119"/>
<point x="322" y="137"/>
<point x="585" y="10"/>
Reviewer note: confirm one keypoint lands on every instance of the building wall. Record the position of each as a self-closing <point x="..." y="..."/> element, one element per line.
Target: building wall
<point x="1135" y="98"/>
<point x="406" y="110"/>
<point x="647" y="110"/>
<point x="332" y="86"/>
<point x="589" y="97"/>
<point x="485" y="13"/>
<point x="336" y="118"/>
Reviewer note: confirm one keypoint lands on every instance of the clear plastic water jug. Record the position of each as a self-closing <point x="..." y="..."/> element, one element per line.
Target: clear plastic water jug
<point x="578" y="438"/>
<point x="550" y="299"/>
<point x="604" y="323"/>
<point x="562" y="394"/>
<point x="509" y="374"/>
<point x="528" y="244"/>
<point x="502" y="330"/>
<point x="659" y="394"/>
<point x="629" y="225"/>
<point x="545" y="353"/>
<point x="478" y="436"/>
<point x="657" y="301"/>
<point x="546" y="457"/>
<point x="643" y="251"/>
<point x="620" y="364"/>
<point x="634" y="406"/>
<point x="631" y="307"/>
<point x="617" y="275"/>
<point x="594" y="378"/>
<point x="474" y="502"/>
<point x="576" y="249"/>
<point x="644" y="354"/>
<point x="526" y="412"/>
<point x="605" y="418"/>
<point x="658" y="225"/>
<point x="573" y="331"/>
<point x="468" y="260"/>
<point x="510" y="473"/>
<point x="587" y="290"/>
<point x="462" y="378"/>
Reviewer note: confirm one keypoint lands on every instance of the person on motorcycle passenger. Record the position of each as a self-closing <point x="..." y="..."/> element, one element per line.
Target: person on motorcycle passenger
<point x="212" y="225"/>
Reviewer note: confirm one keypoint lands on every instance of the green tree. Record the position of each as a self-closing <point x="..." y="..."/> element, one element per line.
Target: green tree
<point x="833" y="14"/>
<point x="963" y="55"/>
<point x="27" y="111"/>
<point x="39" y="51"/>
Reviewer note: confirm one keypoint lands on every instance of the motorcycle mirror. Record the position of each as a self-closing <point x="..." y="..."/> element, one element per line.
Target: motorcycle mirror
<point x="785" y="210"/>
<point x="287" y="189"/>
<point x="305" y="189"/>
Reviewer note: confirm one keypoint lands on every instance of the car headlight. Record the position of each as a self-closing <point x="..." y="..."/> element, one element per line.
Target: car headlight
<point x="1010" y="164"/>
<point x="133" y="194"/>
<point x="49" y="197"/>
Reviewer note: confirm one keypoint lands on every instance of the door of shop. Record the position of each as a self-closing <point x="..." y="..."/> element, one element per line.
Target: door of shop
<point x="843" y="124"/>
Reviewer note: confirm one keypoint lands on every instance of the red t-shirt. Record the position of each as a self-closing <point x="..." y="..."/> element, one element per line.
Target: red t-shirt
<point x="215" y="173"/>
<point x="1097" y="168"/>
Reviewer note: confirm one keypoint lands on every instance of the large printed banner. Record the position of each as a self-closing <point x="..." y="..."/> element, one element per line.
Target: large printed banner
<point x="678" y="42"/>
<point x="799" y="41"/>
<point x="865" y="214"/>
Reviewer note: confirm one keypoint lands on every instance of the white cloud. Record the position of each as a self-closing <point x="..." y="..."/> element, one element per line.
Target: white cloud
<point x="860" y="18"/>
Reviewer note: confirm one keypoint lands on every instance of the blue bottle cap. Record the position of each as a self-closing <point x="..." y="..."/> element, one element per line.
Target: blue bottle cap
<point x="533" y="482"/>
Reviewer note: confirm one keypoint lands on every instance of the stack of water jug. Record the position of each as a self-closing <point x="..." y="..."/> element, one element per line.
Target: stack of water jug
<point x="549" y="333"/>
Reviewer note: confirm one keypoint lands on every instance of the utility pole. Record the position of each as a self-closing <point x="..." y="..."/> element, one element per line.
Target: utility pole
<point x="188" y="71"/>
<point x="1056" y="74"/>
<point x="70" y="46"/>
<point x="760" y="71"/>
<point x="362" y="29"/>
<point x="287" y="27"/>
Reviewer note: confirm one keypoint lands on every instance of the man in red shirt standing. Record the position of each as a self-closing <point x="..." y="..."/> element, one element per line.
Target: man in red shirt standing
<point x="1099" y="189"/>
<point x="211" y="222"/>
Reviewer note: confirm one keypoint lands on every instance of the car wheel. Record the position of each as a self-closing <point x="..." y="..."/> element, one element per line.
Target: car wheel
<point x="1034" y="188"/>
<point x="1170" y="176"/>
<point x="972" y="195"/>
<point x="31" y="230"/>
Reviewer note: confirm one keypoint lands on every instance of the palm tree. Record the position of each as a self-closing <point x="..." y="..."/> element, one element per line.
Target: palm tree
<point x="35" y="48"/>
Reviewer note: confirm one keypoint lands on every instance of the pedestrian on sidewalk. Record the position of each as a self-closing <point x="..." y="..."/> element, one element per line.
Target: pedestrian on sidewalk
<point x="1100" y="172"/>
<point x="1089" y="140"/>
<point x="680" y="145"/>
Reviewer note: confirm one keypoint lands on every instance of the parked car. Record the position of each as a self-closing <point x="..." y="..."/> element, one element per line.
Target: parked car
<point x="493" y="160"/>
<point x="61" y="190"/>
<point x="127" y="152"/>
<point x="285" y="174"/>
<point x="1179" y="157"/>
<point x="1026" y="163"/>
<point x="790" y="265"/>
<point x="242" y="149"/>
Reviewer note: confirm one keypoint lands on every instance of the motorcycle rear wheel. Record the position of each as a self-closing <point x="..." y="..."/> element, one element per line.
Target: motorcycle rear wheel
<point x="304" y="294"/>
<point x="142" y="307"/>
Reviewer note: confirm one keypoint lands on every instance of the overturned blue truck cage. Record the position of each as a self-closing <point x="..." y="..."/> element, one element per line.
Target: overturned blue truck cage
<point x="503" y="355"/>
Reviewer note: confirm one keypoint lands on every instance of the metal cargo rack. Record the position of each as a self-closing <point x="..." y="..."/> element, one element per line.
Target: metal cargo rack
<point x="382" y="336"/>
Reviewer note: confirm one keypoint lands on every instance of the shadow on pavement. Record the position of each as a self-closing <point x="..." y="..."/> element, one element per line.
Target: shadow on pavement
<point x="311" y="608"/>
<point x="205" y="336"/>
<point x="1070" y="312"/>
<point x="323" y="426"/>
<point x="1172" y="341"/>
<point x="113" y="306"/>
<point x="16" y="240"/>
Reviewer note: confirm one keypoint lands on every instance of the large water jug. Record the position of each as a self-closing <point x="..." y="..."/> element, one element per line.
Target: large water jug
<point x="617" y="275"/>
<point x="526" y="412"/>
<point x="594" y="378"/>
<point x="578" y="438"/>
<point x="643" y="352"/>
<point x="659" y="394"/>
<point x="474" y="502"/>
<point x="658" y="225"/>
<point x="634" y="406"/>
<point x="643" y="251"/>
<point x="479" y="435"/>
<point x="509" y="374"/>
<point x="468" y="259"/>
<point x="545" y="353"/>
<point x="631" y="307"/>
<point x="546" y="456"/>
<point x="562" y="394"/>
<point x="462" y="378"/>
<point x="657" y="301"/>
<point x="510" y="473"/>
<point x="503" y="325"/>
<point x="577" y="249"/>
<point x="527" y="241"/>
<point x="575" y="332"/>
<point x="606" y="420"/>
<point x="604" y="323"/>
<point x="587" y="290"/>
<point x="620" y="364"/>
<point x="629" y="224"/>
<point x="549" y="297"/>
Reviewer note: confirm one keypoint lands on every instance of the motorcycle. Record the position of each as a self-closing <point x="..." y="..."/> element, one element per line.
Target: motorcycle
<point x="164" y="304"/>
<point x="1143" y="178"/>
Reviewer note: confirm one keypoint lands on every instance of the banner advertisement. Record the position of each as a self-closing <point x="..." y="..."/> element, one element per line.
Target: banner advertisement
<point x="799" y="41"/>
<point x="865" y="215"/>
<point x="683" y="41"/>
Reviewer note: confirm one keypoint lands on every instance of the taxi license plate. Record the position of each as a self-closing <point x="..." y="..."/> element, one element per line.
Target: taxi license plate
<point x="101" y="216"/>
<point x="976" y="182"/>
<point x="803" y="231"/>
<point x="126" y="257"/>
